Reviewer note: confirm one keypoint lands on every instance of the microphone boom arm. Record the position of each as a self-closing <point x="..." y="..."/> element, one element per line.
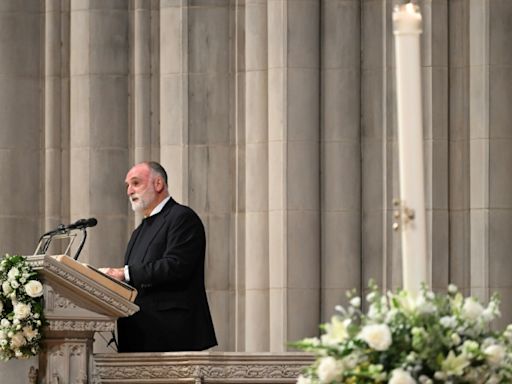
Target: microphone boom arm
<point x="84" y="237"/>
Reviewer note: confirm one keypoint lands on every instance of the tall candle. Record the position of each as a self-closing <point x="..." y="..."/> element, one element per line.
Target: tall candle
<point x="407" y="31"/>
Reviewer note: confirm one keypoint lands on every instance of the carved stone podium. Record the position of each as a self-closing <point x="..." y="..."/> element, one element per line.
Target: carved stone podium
<point x="76" y="307"/>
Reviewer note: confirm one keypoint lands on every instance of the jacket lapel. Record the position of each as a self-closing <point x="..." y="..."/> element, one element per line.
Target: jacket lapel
<point x="152" y="228"/>
<point x="129" y="248"/>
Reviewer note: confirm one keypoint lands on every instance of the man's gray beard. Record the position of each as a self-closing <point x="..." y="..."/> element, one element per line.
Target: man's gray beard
<point x="140" y="204"/>
<point x="137" y="206"/>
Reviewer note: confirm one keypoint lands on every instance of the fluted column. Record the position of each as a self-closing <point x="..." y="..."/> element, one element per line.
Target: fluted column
<point x="340" y="152"/>
<point x="435" y="131"/>
<point x="294" y="181"/>
<point x="144" y="55"/>
<point x="196" y="134"/>
<point x="490" y="154"/>
<point x="20" y="135"/>
<point x="174" y="96"/>
<point x="479" y="148"/>
<point x="380" y="247"/>
<point x="256" y="173"/>
<point x="99" y="125"/>
<point x="459" y="165"/>
<point x="238" y="329"/>
<point x="56" y="113"/>
<point x="21" y="139"/>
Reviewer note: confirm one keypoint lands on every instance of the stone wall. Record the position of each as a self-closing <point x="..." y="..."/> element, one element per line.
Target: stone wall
<point x="276" y="122"/>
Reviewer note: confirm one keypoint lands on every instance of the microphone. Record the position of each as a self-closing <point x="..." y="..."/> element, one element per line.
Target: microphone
<point x="82" y="223"/>
<point x="60" y="229"/>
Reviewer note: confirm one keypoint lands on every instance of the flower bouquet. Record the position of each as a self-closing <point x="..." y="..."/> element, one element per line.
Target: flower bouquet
<point x="405" y="339"/>
<point x="21" y="309"/>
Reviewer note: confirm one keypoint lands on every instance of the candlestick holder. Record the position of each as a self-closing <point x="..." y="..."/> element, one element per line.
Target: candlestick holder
<point x="402" y="215"/>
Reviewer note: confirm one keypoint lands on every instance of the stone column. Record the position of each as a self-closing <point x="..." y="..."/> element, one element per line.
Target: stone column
<point x="145" y="54"/>
<point x="340" y="152"/>
<point x="196" y="134"/>
<point x="256" y="183"/>
<point x="238" y="329"/>
<point x="380" y="249"/>
<point x="21" y="140"/>
<point x="56" y="123"/>
<point x="435" y="130"/>
<point x="99" y="125"/>
<point x="294" y="181"/>
<point x="479" y="147"/>
<point x="174" y="96"/>
<point x="459" y="160"/>
<point x="491" y="157"/>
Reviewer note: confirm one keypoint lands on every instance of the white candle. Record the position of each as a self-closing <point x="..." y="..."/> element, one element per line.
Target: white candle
<point x="407" y="30"/>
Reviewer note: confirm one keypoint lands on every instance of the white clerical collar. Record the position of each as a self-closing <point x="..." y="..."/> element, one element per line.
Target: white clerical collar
<point x="159" y="207"/>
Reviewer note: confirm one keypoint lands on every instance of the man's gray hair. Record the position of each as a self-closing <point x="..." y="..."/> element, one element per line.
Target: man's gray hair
<point x="157" y="167"/>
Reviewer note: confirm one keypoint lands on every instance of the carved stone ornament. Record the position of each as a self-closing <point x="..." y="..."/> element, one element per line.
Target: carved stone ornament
<point x="249" y="371"/>
<point x="81" y="325"/>
<point x="201" y="368"/>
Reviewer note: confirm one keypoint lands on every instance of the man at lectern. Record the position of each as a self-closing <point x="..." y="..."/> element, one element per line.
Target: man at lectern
<point x="164" y="261"/>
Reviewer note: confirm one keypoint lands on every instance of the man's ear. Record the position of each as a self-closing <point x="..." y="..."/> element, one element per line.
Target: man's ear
<point x="159" y="184"/>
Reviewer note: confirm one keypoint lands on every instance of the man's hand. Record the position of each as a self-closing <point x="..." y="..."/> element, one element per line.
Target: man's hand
<point x="116" y="273"/>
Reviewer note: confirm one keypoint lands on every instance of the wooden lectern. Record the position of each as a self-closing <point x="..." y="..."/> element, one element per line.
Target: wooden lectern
<point x="76" y="306"/>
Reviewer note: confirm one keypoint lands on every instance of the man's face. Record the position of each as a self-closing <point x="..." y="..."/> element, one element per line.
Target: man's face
<point x="140" y="188"/>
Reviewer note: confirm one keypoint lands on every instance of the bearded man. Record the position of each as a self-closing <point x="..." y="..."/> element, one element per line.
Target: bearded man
<point x="164" y="261"/>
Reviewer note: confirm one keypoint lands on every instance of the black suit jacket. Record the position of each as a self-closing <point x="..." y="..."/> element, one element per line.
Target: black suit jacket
<point x="165" y="257"/>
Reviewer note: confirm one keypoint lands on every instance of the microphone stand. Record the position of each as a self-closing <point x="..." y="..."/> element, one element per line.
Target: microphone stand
<point x="84" y="232"/>
<point x="49" y="237"/>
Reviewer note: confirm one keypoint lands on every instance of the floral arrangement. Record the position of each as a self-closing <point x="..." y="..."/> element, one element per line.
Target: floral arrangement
<point x="21" y="309"/>
<point x="425" y="338"/>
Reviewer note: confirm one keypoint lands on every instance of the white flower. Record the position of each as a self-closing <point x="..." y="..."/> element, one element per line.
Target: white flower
<point x="454" y="365"/>
<point x="371" y="297"/>
<point x="5" y="323"/>
<point x="355" y="301"/>
<point x="377" y="336"/>
<point x="455" y="338"/>
<point x="29" y="333"/>
<point x="472" y="309"/>
<point x="448" y="321"/>
<point x="21" y="310"/>
<point x="1" y="306"/>
<point x="399" y="376"/>
<point x="34" y="288"/>
<point x="508" y="333"/>
<point x="336" y="331"/>
<point x="6" y="287"/>
<point x="18" y="340"/>
<point x="495" y="354"/>
<point x="13" y="273"/>
<point x="303" y="380"/>
<point x="328" y="369"/>
<point x="372" y="311"/>
<point x="391" y="315"/>
<point x="2" y="335"/>
<point x="313" y="341"/>
<point x="452" y="288"/>
<point x="15" y="284"/>
<point x="424" y="306"/>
